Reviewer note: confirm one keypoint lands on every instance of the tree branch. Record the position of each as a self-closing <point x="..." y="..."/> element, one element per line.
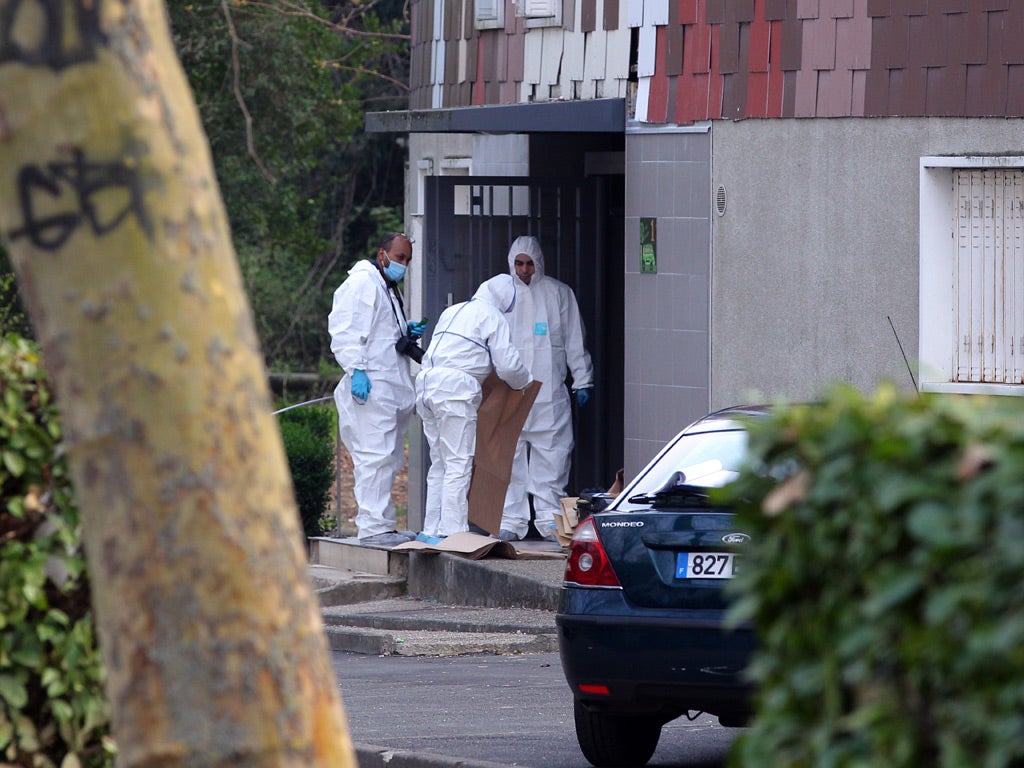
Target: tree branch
<point x="250" y="142"/>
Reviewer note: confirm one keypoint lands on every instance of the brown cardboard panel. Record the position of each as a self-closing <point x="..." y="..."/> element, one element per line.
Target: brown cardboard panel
<point x="500" y="419"/>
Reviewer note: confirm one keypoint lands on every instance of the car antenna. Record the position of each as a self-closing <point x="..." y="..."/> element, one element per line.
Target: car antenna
<point x="912" y="379"/>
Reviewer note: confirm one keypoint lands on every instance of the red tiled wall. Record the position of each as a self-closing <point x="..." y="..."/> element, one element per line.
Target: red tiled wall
<point x="834" y="58"/>
<point x="738" y="59"/>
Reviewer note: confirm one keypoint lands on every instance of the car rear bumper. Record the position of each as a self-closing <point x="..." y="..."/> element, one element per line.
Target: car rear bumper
<point x="656" y="664"/>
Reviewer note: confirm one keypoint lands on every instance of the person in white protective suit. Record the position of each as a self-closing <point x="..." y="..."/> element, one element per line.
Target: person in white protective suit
<point x="548" y="332"/>
<point x="470" y="340"/>
<point x="375" y="396"/>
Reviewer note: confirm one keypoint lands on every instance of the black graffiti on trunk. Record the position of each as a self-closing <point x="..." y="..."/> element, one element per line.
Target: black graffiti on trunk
<point x="70" y="34"/>
<point x="77" y="183"/>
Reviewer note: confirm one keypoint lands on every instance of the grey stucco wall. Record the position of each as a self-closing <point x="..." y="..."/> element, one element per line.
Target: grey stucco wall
<point x="819" y="244"/>
<point x="666" y="356"/>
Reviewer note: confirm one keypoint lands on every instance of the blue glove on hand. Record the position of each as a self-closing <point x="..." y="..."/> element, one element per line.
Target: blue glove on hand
<point x="582" y="396"/>
<point x="361" y="385"/>
<point x="416" y="330"/>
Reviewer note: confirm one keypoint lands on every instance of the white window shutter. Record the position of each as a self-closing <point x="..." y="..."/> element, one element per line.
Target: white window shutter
<point x="539" y="9"/>
<point x="486" y="10"/>
<point x="989" y="276"/>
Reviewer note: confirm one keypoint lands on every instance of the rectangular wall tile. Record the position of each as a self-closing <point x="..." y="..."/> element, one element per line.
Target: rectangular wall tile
<point x="907" y="91"/>
<point x="612" y="18"/>
<point x="819" y="43"/>
<point x="986" y="94"/>
<point x="929" y="41"/>
<point x="968" y="37"/>
<point x="946" y="90"/>
<point x="853" y="43"/>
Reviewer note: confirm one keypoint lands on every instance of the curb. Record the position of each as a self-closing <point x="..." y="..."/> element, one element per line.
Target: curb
<point x="456" y="580"/>
<point x="371" y="756"/>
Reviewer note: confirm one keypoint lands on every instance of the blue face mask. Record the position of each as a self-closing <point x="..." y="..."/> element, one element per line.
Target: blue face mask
<point x="395" y="271"/>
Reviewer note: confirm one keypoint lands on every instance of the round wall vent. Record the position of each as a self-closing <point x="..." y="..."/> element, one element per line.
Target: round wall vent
<point x="720" y="199"/>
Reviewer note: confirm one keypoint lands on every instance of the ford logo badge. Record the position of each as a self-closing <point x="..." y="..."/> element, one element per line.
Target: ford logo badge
<point x="735" y="538"/>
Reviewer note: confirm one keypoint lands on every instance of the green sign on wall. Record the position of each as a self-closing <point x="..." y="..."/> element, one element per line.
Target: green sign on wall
<point x="648" y="245"/>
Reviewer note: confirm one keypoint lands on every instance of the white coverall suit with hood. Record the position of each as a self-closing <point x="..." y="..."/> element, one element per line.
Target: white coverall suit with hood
<point x="548" y="332"/>
<point x="365" y="322"/>
<point x="470" y="340"/>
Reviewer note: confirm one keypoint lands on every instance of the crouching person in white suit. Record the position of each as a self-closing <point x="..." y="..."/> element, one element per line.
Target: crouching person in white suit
<point x="470" y="340"/>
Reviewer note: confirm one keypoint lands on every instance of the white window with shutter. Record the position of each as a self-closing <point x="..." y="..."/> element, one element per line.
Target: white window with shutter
<point x="540" y="13"/>
<point x="972" y="275"/>
<point x="490" y="14"/>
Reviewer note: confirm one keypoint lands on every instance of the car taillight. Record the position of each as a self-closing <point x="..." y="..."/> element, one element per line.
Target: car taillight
<point x="588" y="563"/>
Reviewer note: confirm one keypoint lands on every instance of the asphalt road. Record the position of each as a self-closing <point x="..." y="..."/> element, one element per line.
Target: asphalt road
<point x="510" y="710"/>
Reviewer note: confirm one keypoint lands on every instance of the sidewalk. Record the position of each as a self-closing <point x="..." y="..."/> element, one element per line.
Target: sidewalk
<point x="434" y="604"/>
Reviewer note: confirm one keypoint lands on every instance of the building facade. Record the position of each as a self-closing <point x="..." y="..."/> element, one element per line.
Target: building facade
<point x="799" y="192"/>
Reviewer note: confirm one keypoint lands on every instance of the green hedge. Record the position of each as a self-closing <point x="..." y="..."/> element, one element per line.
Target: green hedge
<point x="884" y="583"/>
<point x="308" y="435"/>
<point x="53" y="710"/>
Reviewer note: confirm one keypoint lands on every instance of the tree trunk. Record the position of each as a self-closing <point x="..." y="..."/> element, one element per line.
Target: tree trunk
<point x="209" y="630"/>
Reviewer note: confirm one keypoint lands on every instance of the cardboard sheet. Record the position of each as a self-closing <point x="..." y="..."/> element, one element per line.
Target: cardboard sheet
<point x="474" y="546"/>
<point x="502" y="414"/>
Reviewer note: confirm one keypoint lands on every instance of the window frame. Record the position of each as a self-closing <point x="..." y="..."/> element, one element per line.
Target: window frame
<point x="936" y="264"/>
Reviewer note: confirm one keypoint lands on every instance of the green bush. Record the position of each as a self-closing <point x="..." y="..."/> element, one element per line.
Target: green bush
<point x="308" y="435"/>
<point x="53" y="711"/>
<point x="884" y="583"/>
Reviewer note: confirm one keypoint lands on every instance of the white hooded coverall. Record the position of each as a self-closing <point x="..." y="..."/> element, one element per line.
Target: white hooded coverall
<point x="365" y="322"/>
<point x="470" y="340"/>
<point x="548" y="332"/>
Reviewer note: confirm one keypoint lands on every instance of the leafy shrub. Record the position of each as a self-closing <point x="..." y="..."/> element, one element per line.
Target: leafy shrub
<point x="53" y="711"/>
<point x="884" y="583"/>
<point x="308" y="435"/>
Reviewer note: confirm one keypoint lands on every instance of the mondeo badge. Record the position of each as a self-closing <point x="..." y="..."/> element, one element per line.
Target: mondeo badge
<point x="735" y="538"/>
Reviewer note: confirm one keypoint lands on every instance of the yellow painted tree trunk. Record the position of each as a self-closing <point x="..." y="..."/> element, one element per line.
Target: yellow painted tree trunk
<point x="111" y="213"/>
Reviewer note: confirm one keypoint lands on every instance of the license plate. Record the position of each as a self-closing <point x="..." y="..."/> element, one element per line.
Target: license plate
<point x="705" y="565"/>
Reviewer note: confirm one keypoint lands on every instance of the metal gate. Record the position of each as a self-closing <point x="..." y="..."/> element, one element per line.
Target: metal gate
<point x="469" y="224"/>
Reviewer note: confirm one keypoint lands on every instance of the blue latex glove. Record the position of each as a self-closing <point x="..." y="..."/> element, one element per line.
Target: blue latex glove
<point x="416" y="330"/>
<point x="361" y="385"/>
<point x="583" y="395"/>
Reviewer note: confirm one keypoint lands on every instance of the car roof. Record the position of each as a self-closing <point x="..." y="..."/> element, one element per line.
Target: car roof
<point x="729" y="418"/>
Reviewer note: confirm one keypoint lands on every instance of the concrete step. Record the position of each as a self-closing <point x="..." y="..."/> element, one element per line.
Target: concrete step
<point x="413" y="627"/>
<point x="381" y="602"/>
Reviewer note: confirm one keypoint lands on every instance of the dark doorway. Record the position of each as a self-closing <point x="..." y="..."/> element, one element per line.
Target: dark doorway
<point x="469" y="224"/>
